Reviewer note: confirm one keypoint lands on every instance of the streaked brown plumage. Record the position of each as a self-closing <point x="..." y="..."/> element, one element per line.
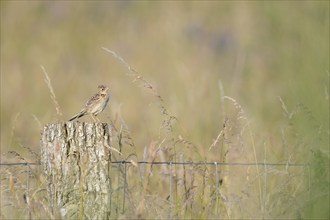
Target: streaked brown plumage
<point x="96" y="104"/>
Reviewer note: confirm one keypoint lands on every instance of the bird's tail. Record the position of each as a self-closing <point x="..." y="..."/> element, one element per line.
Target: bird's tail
<point x="80" y="114"/>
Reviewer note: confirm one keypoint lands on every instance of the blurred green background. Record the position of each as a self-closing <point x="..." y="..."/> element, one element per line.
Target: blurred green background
<point x="259" y="51"/>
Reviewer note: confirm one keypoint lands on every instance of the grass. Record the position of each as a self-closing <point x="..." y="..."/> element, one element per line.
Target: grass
<point x="235" y="82"/>
<point x="197" y="190"/>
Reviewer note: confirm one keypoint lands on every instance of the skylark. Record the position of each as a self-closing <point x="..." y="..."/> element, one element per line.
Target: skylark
<point x="96" y="104"/>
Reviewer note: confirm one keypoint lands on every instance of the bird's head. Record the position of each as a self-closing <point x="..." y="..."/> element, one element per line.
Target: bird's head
<point x="102" y="89"/>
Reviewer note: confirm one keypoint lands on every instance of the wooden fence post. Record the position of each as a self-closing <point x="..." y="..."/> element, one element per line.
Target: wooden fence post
<point x="76" y="159"/>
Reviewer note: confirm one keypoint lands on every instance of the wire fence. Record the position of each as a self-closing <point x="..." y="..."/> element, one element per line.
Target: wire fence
<point x="179" y="163"/>
<point x="123" y="185"/>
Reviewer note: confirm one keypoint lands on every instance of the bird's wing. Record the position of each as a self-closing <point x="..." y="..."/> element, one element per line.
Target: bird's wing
<point x="95" y="99"/>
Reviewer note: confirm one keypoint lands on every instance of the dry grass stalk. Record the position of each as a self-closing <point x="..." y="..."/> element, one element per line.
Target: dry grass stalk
<point x="51" y="90"/>
<point x="137" y="77"/>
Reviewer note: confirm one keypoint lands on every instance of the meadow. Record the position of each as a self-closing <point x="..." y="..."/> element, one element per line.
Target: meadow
<point x="216" y="81"/>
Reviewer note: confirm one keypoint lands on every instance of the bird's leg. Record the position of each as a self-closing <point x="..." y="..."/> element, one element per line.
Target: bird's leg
<point x="93" y="117"/>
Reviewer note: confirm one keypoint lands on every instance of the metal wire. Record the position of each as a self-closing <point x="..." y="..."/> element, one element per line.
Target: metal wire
<point x="216" y="187"/>
<point x="182" y="163"/>
<point x="124" y="190"/>
<point x="19" y="163"/>
<point x="171" y="198"/>
<point x="170" y="163"/>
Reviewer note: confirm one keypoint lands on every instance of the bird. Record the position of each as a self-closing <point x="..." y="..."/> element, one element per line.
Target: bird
<point x="96" y="104"/>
